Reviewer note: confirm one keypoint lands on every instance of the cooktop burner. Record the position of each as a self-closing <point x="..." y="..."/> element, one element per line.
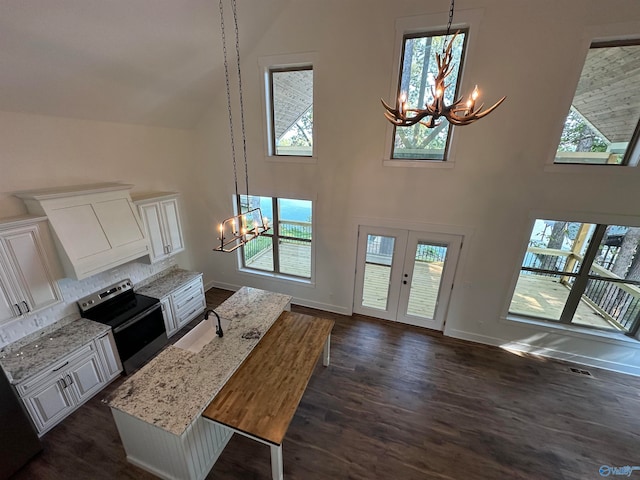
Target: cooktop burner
<point x="115" y="304"/>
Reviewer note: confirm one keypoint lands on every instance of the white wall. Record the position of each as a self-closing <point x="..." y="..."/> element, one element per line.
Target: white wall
<point x="530" y="51"/>
<point x="38" y="152"/>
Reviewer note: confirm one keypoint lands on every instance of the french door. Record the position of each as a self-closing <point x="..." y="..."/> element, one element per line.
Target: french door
<point x="404" y="275"/>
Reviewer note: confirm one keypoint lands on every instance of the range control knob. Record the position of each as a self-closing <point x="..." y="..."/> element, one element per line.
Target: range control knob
<point x="84" y="304"/>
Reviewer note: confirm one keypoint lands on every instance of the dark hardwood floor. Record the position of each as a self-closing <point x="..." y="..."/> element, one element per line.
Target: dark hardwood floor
<point x="399" y="402"/>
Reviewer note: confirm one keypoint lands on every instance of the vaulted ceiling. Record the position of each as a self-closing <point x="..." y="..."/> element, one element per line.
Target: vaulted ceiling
<point x="152" y="62"/>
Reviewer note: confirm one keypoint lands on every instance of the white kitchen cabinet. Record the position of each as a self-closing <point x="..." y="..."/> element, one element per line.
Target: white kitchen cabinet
<point x="110" y="361"/>
<point x="183" y="304"/>
<point x="97" y="226"/>
<point x="167" y="313"/>
<point x="28" y="267"/>
<point x="161" y="219"/>
<point x="188" y="302"/>
<point x="51" y="395"/>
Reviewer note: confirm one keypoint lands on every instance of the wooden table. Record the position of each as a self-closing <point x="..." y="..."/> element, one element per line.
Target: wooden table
<point x="262" y="396"/>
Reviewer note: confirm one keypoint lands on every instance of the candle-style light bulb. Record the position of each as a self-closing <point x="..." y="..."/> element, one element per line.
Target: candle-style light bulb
<point x="402" y="103"/>
<point x="438" y="92"/>
<point x="471" y="104"/>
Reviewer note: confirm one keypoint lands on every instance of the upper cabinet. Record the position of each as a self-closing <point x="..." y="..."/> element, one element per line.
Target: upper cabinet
<point x="28" y="267"/>
<point x="96" y="227"/>
<point x="161" y="218"/>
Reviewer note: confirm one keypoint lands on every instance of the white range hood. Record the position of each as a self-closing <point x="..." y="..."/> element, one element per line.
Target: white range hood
<point x="96" y="227"/>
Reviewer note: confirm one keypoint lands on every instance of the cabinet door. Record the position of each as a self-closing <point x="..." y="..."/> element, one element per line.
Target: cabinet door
<point x="49" y="404"/>
<point x="85" y="377"/>
<point x="31" y="268"/>
<point x="152" y="218"/>
<point x="8" y="303"/>
<point x="173" y="230"/>
<point x="108" y="353"/>
<point x="169" y="318"/>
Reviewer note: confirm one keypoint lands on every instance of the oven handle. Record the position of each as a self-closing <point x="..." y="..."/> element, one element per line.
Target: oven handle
<point x="137" y="318"/>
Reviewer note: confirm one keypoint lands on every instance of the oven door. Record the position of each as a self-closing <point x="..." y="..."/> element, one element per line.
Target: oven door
<point x="140" y="337"/>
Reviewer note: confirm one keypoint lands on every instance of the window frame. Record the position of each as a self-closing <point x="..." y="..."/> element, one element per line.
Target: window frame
<point x="631" y="156"/>
<point x="275" y="236"/>
<point x="272" y="114"/>
<point x="600" y="223"/>
<point x="430" y="33"/>
<point x="294" y="61"/>
<point x="469" y="20"/>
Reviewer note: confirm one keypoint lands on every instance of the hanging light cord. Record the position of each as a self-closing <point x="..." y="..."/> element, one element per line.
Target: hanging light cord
<point x="446" y="38"/>
<point x="226" y="77"/>
<point x="244" y="136"/>
<point x="228" y="85"/>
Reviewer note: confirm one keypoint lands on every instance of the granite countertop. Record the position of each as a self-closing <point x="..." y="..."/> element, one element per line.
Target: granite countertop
<point x="163" y="286"/>
<point x="173" y="389"/>
<point x="24" y="359"/>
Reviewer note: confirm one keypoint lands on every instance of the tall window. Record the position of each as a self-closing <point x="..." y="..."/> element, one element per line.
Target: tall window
<point x="291" y="111"/>
<point x="602" y="126"/>
<point x="582" y="274"/>
<point x="286" y="248"/>
<point x="417" y="74"/>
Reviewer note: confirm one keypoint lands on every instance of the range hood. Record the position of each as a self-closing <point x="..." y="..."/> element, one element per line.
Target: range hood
<point x="96" y="227"/>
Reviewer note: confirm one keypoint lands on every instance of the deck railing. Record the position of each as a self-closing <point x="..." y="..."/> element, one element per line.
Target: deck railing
<point x="290" y="232"/>
<point x="380" y="246"/>
<point x="618" y="302"/>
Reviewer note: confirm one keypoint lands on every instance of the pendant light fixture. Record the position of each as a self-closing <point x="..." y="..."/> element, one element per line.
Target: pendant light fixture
<point x="460" y="112"/>
<point x="239" y="229"/>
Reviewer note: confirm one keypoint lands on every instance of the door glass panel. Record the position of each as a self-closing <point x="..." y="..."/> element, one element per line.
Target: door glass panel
<point x="425" y="284"/>
<point x="377" y="271"/>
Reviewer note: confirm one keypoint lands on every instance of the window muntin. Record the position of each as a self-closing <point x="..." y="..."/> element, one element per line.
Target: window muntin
<point x="291" y="112"/>
<point x="603" y="124"/>
<point x="581" y="274"/>
<point x="286" y="248"/>
<point x="417" y="73"/>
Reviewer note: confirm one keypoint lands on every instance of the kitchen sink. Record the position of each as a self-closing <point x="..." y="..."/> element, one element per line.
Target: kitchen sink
<point x="201" y="335"/>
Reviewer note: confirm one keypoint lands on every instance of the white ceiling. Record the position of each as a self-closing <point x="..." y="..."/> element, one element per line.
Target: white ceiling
<point x="152" y="62"/>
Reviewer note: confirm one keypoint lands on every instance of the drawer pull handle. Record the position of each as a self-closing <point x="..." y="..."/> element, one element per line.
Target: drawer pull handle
<point x="63" y="365"/>
<point x="18" y="308"/>
<point x="61" y="384"/>
<point x="70" y="379"/>
<point x="26" y="306"/>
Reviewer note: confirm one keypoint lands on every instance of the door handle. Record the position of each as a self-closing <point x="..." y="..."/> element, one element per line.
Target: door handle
<point x="404" y="281"/>
<point x="26" y="305"/>
<point x="18" y="308"/>
<point x="70" y="378"/>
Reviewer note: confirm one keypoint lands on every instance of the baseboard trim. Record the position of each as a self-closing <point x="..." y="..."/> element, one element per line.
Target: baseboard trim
<point x="524" y="347"/>
<point x="296" y="301"/>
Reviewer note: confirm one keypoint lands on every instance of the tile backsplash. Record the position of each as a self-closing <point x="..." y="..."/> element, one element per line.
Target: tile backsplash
<point x="72" y="290"/>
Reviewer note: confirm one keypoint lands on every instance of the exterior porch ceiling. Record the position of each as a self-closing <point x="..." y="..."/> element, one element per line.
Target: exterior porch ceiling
<point x="608" y="94"/>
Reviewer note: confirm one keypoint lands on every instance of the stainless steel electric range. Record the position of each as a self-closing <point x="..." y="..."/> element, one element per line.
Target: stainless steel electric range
<point x="136" y="321"/>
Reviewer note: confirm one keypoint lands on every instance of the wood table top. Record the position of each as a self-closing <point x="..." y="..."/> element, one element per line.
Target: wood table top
<point x="262" y="396"/>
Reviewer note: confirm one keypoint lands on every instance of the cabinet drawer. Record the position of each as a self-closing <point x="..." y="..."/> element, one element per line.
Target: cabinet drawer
<point x="33" y="382"/>
<point x="186" y="295"/>
<point x="196" y="304"/>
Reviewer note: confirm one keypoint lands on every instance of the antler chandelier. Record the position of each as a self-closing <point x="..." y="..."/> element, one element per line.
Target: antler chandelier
<point x="239" y="229"/>
<point x="460" y="112"/>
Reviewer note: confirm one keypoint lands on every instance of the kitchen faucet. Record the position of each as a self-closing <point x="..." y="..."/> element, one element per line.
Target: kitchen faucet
<point x="219" y="331"/>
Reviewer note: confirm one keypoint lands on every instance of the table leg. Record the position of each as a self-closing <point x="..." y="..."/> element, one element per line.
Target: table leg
<point x="327" y="350"/>
<point x="277" y="472"/>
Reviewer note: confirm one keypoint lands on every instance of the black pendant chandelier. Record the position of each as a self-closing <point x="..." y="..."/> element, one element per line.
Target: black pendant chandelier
<point x="241" y="228"/>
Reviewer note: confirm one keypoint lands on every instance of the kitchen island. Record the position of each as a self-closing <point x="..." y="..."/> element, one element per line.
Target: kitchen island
<point x="158" y="410"/>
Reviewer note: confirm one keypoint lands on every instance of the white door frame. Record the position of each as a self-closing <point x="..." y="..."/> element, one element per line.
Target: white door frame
<point x="401" y="277"/>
